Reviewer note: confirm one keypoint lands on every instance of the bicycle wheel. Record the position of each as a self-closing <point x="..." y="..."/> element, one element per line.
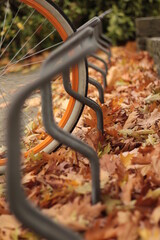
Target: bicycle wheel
<point x="32" y="20"/>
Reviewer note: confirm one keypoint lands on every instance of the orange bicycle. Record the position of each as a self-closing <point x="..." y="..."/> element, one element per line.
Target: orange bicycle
<point x="20" y="56"/>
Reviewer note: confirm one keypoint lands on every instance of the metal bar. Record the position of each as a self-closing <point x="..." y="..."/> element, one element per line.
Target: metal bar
<point x="102" y="36"/>
<point x="85" y="100"/>
<point x="93" y="22"/>
<point x="104" y="43"/>
<point x="106" y="51"/>
<point x="99" y="87"/>
<point x="30" y="216"/>
<point x="102" y="60"/>
<point x="96" y="23"/>
<point x="91" y="65"/>
<point x="102" y="15"/>
<point x="70" y="140"/>
<point x="106" y="39"/>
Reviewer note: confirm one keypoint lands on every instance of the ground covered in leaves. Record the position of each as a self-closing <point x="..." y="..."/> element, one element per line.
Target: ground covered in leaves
<point x="129" y="157"/>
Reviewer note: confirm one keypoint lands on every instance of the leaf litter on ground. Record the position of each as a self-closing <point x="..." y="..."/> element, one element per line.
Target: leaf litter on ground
<point x="129" y="156"/>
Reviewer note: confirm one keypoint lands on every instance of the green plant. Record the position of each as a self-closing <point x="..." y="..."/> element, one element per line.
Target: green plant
<point x="120" y="24"/>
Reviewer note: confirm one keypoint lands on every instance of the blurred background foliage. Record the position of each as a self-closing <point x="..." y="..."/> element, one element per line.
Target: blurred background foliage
<point x="119" y="25"/>
<point x="21" y="30"/>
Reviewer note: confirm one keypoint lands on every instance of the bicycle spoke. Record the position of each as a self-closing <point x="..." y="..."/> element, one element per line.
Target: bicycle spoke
<point x="42" y="40"/>
<point x="28" y="64"/>
<point x="29" y="35"/>
<point x="4" y="22"/>
<point x="11" y="25"/>
<point x="24" y="45"/>
<point x="9" y="65"/>
<point x="32" y="55"/>
<point x="28" y="76"/>
<point x="16" y="34"/>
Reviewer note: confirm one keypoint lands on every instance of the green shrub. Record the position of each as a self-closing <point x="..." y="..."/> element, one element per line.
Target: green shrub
<point x="118" y="25"/>
<point x="121" y="26"/>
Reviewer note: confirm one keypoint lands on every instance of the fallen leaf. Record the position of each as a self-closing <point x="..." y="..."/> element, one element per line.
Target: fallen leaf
<point x="77" y="214"/>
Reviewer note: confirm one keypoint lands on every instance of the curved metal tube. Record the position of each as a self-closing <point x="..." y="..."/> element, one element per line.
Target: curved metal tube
<point x="102" y="60"/>
<point x="102" y="15"/>
<point x="99" y="87"/>
<point x="106" y="51"/>
<point x="69" y="140"/>
<point x="106" y="39"/>
<point x="91" y="65"/>
<point x="20" y="206"/>
<point x="96" y="23"/>
<point x="85" y="100"/>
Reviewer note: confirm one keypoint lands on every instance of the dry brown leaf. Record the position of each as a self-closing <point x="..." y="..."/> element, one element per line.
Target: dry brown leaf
<point x="129" y="222"/>
<point x="155" y="216"/>
<point x="131" y="120"/>
<point x="33" y="102"/>
<point x="134" y="183"/>
<point x="154" y="117"/>
<point x="60" y="183"/>
<point x="114" y="74"/>
<point x="9" y="222"/>
<point x="4" y="104"/>
<point x="77" y="214"/>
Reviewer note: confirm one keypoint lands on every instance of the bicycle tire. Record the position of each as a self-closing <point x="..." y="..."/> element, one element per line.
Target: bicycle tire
<point x="80" y="75"/>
